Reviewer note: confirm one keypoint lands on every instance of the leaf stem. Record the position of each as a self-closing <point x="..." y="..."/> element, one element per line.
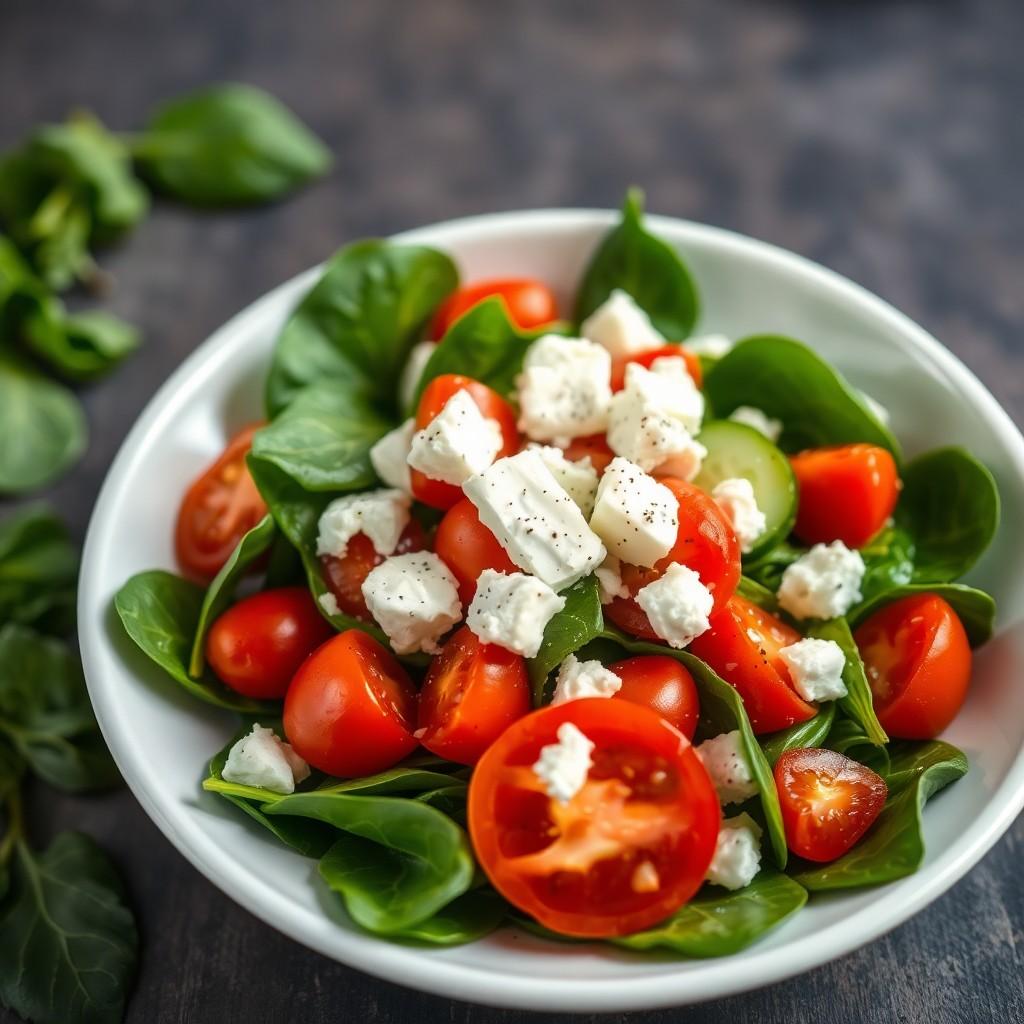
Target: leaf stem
<point x="15" y="825"/>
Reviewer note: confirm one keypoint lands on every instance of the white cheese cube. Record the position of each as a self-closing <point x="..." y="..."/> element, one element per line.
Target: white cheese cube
<point x="621" y="326"/>
<point x="381" y="515"/>
<point x="563" y="766"/>
<point x="261" y="758"/>
<point x="457" y="443"/>
<point x="635" y="516"/>
<point x="726" y="762"/>
<point x="414" y="598"/>
<point x="409" y="380"/>
<point x="737" y="858"/>
<point x="390" y="456"/>
<point x="816" y="668"/>
<point x="712" y="346"/>
<point x="667" y="385"/>
<point x="512" y="610"/>
<point x="759" y="420"/>
<point x="579" y="478"/>
<point x="823" y="583"/>
<point x="735" y="497"/>
<point x="577" y="680"/>
<point x="535" y="521"/>
<point x="678" y="605"/>
<point x="609" y="579"/>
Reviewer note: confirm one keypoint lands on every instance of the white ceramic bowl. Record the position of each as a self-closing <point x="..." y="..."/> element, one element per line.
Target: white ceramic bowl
<point x="162" y="739"/>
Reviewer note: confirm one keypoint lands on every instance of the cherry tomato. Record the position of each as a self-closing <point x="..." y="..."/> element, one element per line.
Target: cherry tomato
<point x="473" y="692"/>
<point x="218" y="510"/>
<point x="257" y="645"/>
<point x="660" y="683"/>
<point x="595" y="447"/>
<point x="351" y="708"/>
<point x="828" y="801"/>
<point x="743" y="646"/>
<point x="437" y="493"/>
<point x="529" y="303"/>
<point x="846" y="493"/>
<point x="344" y="576"/>
<point x="918" y="662"/>
<point x="630" y="848"/>
<point x="467" y="547"/>
<point x="648" y="357"/>
<point x="705" y="542"/>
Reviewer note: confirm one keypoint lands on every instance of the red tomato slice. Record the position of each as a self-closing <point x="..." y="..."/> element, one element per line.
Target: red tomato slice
<point x="595" y="447"/>
<point x="648" y="357"/>
<point x="743" y="646"/>
<point x="351" y="708"/>
<point x="530" y="303"/>
<point x="630" y="848"/>
<point x="473" y="692"/>
<point x="828" y="801"/>
<point x="467" y="547"/>
<point x="918" y="662"/>
<point x="660" y="683"/>
<point x="218" y="510"/>
<point x="846" y="493"/>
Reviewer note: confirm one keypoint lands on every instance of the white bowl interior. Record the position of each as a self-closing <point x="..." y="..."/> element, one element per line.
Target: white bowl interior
<point x="162" y="739"/>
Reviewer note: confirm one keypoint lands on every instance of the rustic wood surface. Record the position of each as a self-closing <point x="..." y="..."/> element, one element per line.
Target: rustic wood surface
<point x="883" y="139"/>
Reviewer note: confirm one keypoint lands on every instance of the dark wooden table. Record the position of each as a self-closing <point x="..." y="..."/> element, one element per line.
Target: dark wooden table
<point x="884" y="139"/>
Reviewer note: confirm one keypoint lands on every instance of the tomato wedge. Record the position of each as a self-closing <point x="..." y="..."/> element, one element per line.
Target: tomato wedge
<point x="467" y="547"/>
<point x="595" y="447"/>
<point x="660" y="683"/>
<point x="530" y="303"/>
<point x="648" y="357"/>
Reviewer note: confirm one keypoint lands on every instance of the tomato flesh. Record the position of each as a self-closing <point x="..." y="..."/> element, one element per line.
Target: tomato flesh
<point x="467" y="547"/>
<point x="529" y="303"/>
<point x="660" y="683"/>
<point x="647" y="358"/>
<point x="595" y="447"/>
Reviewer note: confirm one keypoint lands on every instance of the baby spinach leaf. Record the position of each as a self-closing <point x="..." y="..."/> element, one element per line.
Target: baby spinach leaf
<point x="81" y="346"/>
<point x="757" y="593"/>
<point x="649" y="269"/>
<point x="888" y="561"/>
<point x="68" y="935"/>
<point x="975" y="608"/>
<point x="766" y="572"/>
<point x="848" y="737"/>
<point x="469" y="917"/>
<point x="229" y="144"/>
<point x="359" y="321"/>
<point x="717" y="922"/>
<point x="811" y="733"/>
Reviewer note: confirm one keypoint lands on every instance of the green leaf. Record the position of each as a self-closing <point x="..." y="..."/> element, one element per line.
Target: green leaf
<point x="757" y="593"/>
<point x="229" y="144"/>
<point x="360" y="321"/>
<point x="975" y="608"/>
<point x="69" y="938"/>
<point x="466" y="919"/>
<point x="811" y="733"/>
<point x="848" y="737"/>
<point x="888" y="561"/>
<point x="82" y="346"/>
<point x="647" y="268"/>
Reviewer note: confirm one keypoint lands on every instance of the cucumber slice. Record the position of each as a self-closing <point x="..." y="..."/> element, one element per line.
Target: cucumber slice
<point x="734" y="449"/>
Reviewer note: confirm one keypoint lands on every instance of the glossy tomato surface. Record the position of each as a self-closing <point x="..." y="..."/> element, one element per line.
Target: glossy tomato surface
<point x="467" y="547"/>
<point x="530" y="303"/>
<point x="595" y="447"/>
<point x="659" y="682"/>
<point x="648" y="357"/>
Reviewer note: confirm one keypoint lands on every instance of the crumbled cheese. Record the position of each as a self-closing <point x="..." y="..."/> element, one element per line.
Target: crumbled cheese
<point x="414" y="598"/>
<point x="563" y="766"/>
<point x="329" y="603"/>
<point x="726" y="763"/>
<point x="535" y="521"/>
<point x="409" y="380"/>
<point x="759" y="420"/>
<point x="822" y="584"/>
<point x="609" y="579"/>
<point x="579" y="679"/>
<point x="635" y="516"/>
<point x="678" y="605"/>
<point x="512" y="611"/>
<point x="621" y="326"/>
<point x="579" y="478"/>
<point x="735" y="497"/>
<point x="712" y="346"/>
<point x="645" y="878"/>
<point x="816" y="668"/>
<point x="261" y="758"/>
<point x="737" y="858"/>
<point x="390" y="456"/>
<point x="381" y="515"/>
<point x="880" y="412"/>
<point x="457" y="443"/>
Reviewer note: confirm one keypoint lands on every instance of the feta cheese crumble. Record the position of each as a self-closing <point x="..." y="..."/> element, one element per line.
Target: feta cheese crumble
<point x="563" y="766"/>
<point x="735" y="497"/>
<point x="621" y="326"/>
<point x="512" y="611"/>
<point x="457" y="443"/>
<point x="580" y="679"/>
<point x="712" y="346"/>
<point x="609" y="580"/>
<point x="414" y="598"/>
<point x="579" y="478"/>
<point x="261" y="758"/>
<point x="678" y="605"/>
<point x="759" y="420"/>
<point x="816" y="668"/>
<point x="726" y="763"/>
<point x="390" y="456"/>
<point x="737" y="858"/>
<point x="419" y="356"/>
<point x="381" y="515"/>
<point x="823" y="583"/>
<point x="329" y="603"/>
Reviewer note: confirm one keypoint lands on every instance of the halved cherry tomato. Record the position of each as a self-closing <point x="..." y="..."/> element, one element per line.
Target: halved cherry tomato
<point x="218" y="510"/>
<point x="918" y="662"/>
<point x="351" y="708"/>
<point x="437" y="493"/>
<point x="660" y="683"/>
<point x="828" y="801"/>
<point x="705" y="542"/>
<point x="630" y="848"/>
<point x="529" y="303"/>
<point x="648" y="357"/>
<point x="344" y="576"/>
<point x="473" y="692"/>
<point x="743" y="646"/>
<point x="467" y="547"/>
<point x="257" y="645"/>
<point x="846" y="493"/>
<point x="595" y="447"/>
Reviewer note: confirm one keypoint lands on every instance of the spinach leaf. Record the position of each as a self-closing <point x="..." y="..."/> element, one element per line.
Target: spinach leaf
<point x="888" y="561"/>
<point x="359" y="321"/>
<point x="82" y="346"/>
<point x="229" y="144"/>
<point x="160" y="612"/>
<point x="848" y="737"/>
<point x="816" y="405"/>
<point x="757" y="593"/>
<point x="647" y="268"/>
<point x="466" y="919"/>
<point x="717" y="922"/>
<point x="766" y="572"/>
<point x="894" y="846"/>
<point x="975" y="608"/>
<point x="811" y="733"/>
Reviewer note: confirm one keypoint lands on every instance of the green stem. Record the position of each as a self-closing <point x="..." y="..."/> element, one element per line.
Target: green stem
<point x="15" y="825"/>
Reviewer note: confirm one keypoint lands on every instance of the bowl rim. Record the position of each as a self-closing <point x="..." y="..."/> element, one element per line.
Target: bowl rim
<point x="420" y="969"/>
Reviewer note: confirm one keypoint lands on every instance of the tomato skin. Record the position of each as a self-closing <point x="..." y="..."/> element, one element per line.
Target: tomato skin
<point x="351" y="707"/>
<point x="595" y="447"/>
<point x="220" y="507"/>
<point x="437" y="493"/>
<point x="467" y="547"/>
<point x="473" y="692"/>
<point x="648" y="357"/>
<point x="754" y="668"/>
<point x="828" y="801"/>
<point x="660" y="683"/>
<point x="846" y="493"/>
<point x="257" y="645"/>
<point x="529" y="303"/>
<point x="666" y="816"/>
<point x="918" y="661"/>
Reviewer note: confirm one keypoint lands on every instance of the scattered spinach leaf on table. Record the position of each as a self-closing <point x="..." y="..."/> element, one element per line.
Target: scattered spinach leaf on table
<point x="81" y="346"/>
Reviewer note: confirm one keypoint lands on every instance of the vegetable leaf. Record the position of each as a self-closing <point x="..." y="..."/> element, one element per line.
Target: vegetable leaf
<point x="975" y="608"/>
<point x="811" y="733"/>
<point x="848" y="737"/>
<point x="81" y="346"/>
<point x="467" y="918"/>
